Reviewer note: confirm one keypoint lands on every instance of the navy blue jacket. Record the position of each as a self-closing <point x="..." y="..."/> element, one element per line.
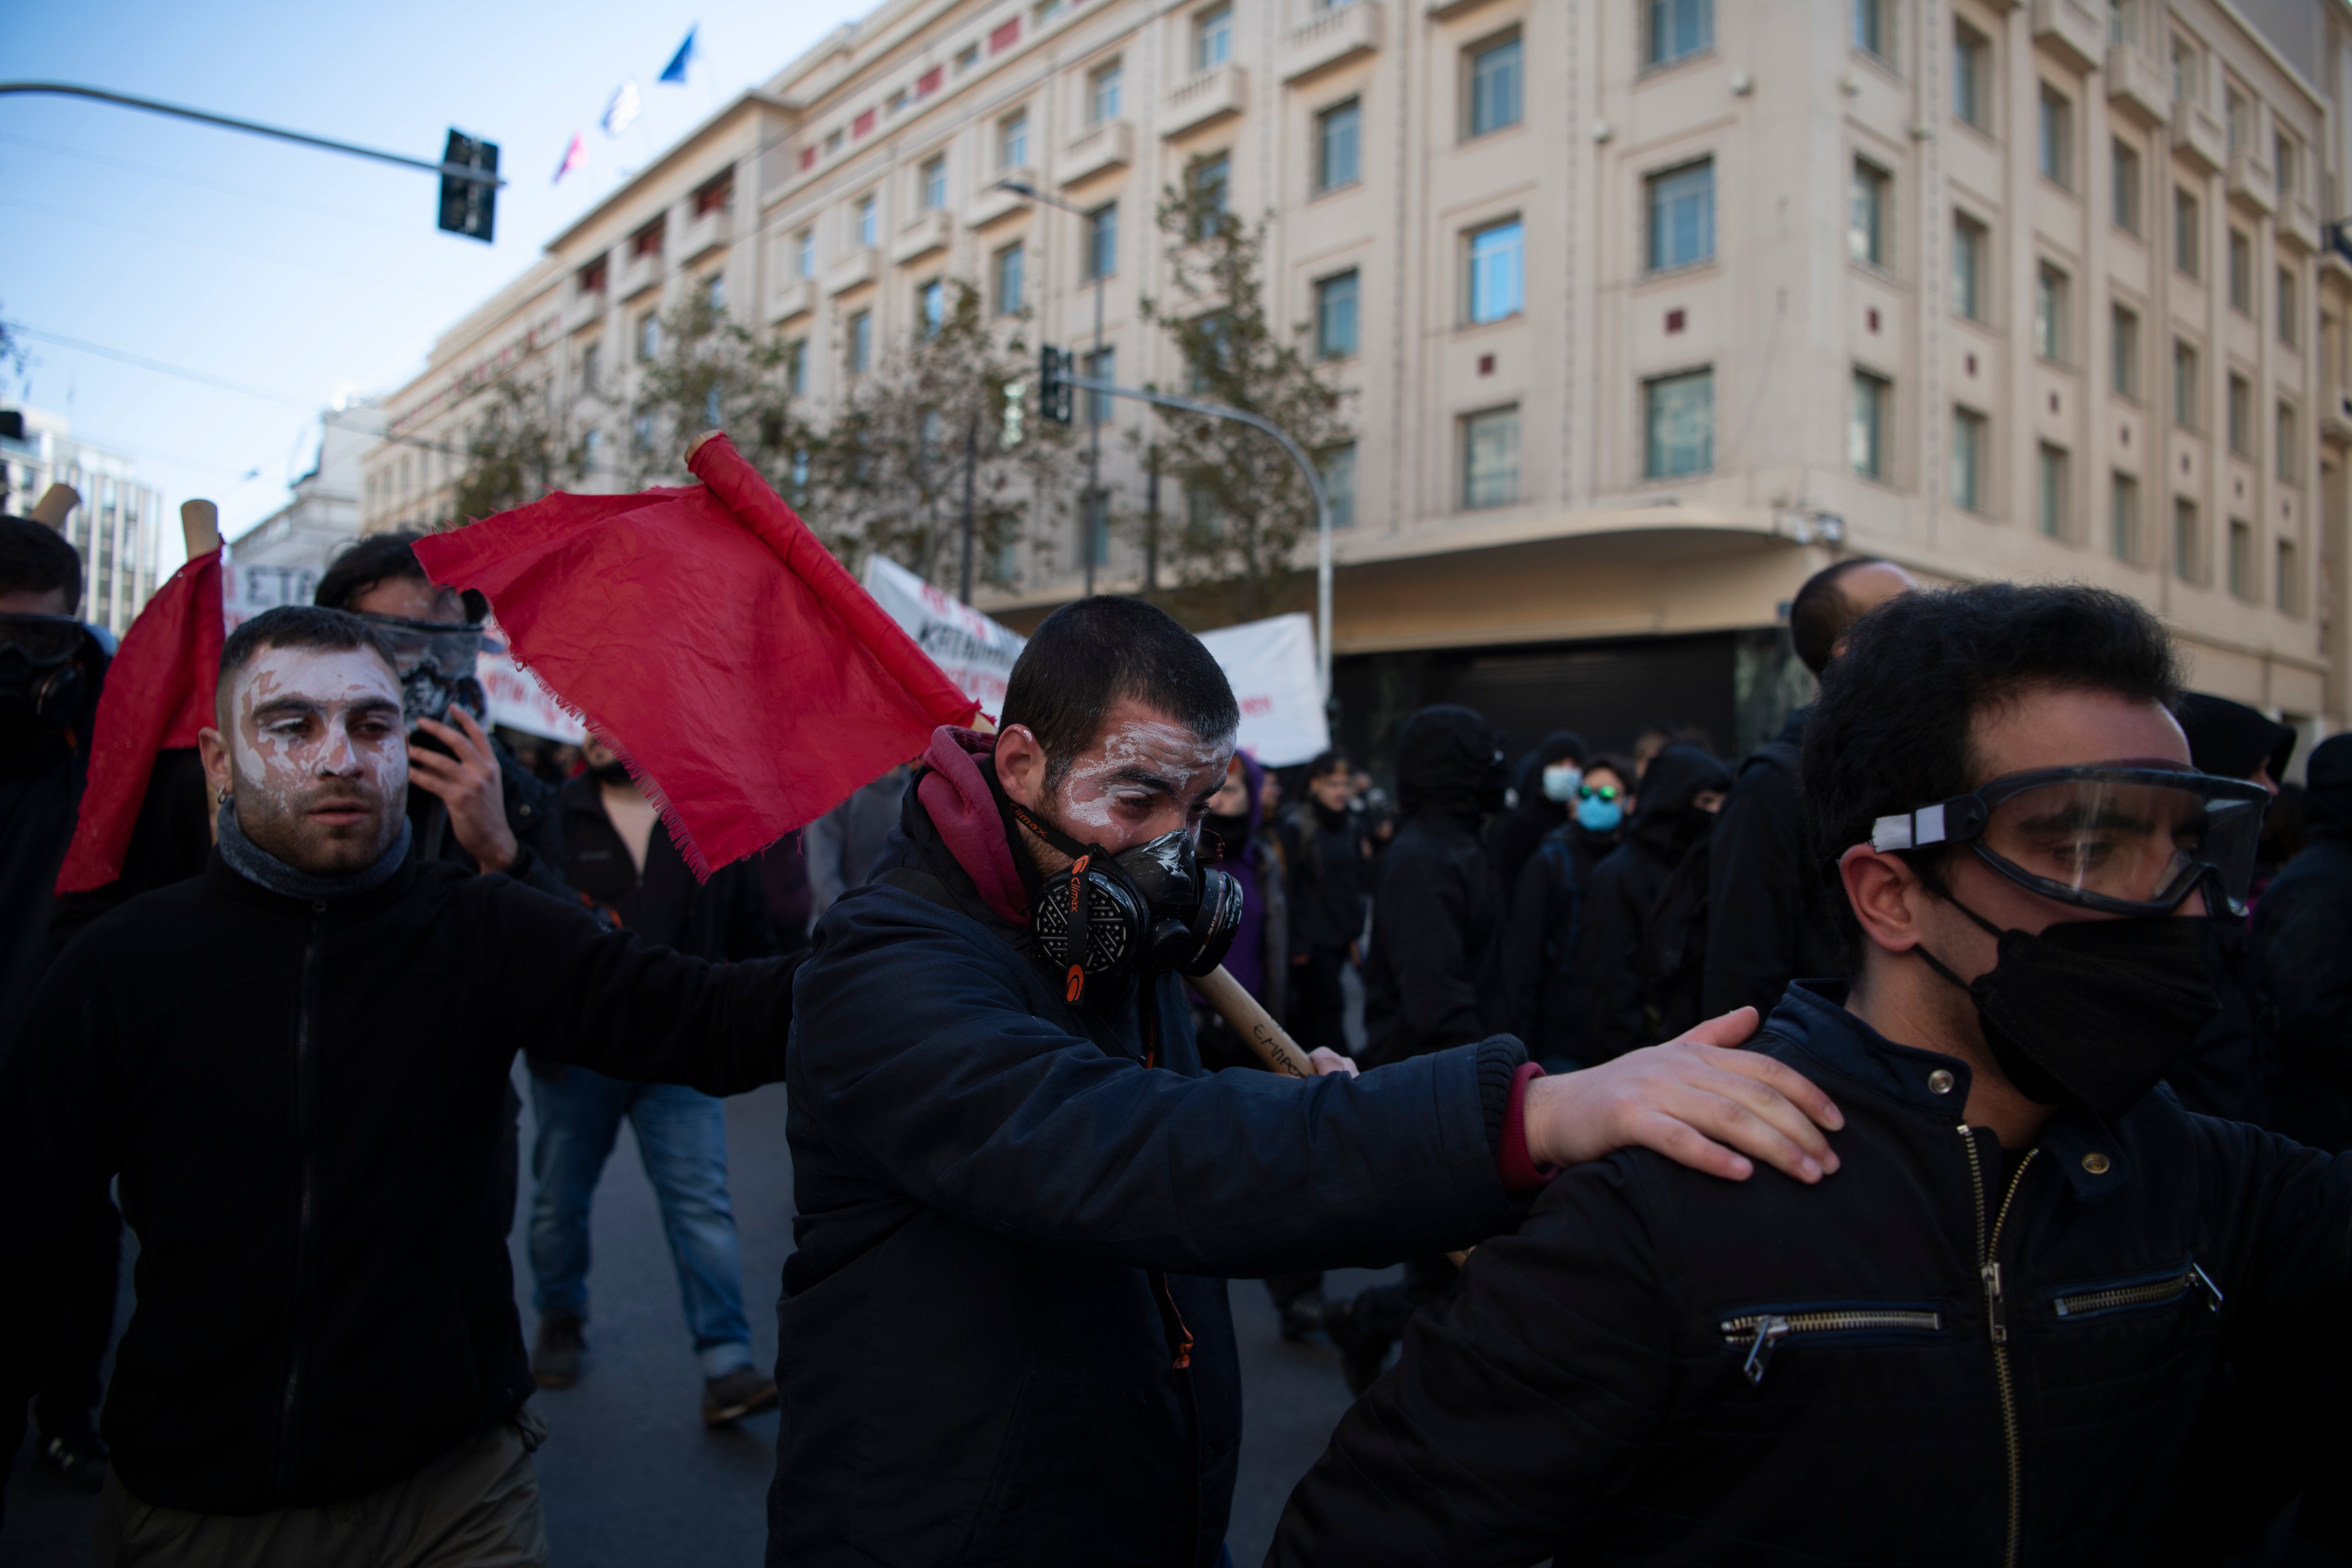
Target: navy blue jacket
<point x="1005" y="1335"/>
<point x="1596" y="1388"/>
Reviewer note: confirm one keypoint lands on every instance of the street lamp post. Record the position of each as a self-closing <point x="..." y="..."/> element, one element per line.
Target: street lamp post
<point x="1094" y="425"/>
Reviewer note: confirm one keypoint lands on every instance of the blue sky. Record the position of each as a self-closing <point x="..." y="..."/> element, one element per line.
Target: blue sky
<point x="308" y="274"/>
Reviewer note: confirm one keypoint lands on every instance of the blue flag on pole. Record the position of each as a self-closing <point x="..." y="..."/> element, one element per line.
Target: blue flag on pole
<point x="676" y="70"/>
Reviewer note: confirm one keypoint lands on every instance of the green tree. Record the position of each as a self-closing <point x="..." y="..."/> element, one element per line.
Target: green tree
<point x="516" y="451"/>
<point x="1243" y="510"/>
<point x="888" y="471"/>
<point x="711" y="373"/>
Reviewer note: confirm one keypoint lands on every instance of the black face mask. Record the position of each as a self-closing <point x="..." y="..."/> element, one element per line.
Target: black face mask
<point x="612" y="773"/>
<point x="2092" y="1013"/>
<point x="1151" y="908"/>
<point x="42" y="677"/>
<point x="1232" y="834"/>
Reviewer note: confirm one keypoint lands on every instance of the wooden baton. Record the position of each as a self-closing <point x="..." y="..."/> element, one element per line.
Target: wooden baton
<point x="1250" y="1020"/>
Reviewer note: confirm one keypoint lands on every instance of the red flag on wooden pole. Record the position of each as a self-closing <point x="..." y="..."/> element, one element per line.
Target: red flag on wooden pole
<point x="706" y="635"/>
<point x="158" y="694"/>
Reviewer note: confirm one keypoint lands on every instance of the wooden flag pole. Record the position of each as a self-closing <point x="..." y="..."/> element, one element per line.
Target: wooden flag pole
<point x="200" y="526"/>
<point x="1252" y="1023"/>
<point x="57" y="504"/>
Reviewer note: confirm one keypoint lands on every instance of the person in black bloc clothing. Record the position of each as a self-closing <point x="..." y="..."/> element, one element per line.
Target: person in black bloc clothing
<point x="1644" y="911"/>
<point x="1993" y="1337"/>
<point x="1018" y="1198"/>
<point x="325" y="1358"/>
<point x="1548" y="992"/>
<point x="1329" y="854"/>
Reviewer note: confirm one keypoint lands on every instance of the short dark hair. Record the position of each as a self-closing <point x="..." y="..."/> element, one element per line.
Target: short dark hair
<point x="1892" y="730"/>
<point x="1326" y="763"/>
<point x="1616" y="763"/>
<point x="1088" y="654"/>
<point x="35" y="559"/>
<point x="377" y="558"/>
<point x="1821" y="612"/>
<point x="295" y="625"/>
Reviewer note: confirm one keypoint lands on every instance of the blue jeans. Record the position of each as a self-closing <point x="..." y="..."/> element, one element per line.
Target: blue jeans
<point x="682" y="1137"/>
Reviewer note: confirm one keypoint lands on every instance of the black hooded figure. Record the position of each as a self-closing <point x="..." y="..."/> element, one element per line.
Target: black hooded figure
<point x="1512" y="836"/>
<point x="2300" y="926"/>
<point x="1623" y="919"/>
<point x="1433" y="979"/>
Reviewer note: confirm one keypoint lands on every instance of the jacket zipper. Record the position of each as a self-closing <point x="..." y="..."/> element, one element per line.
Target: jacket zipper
<point x="1762" y="1332"/>
<point x="2118" y="1297"/>
<point x="306" y="1214"/>
<point x="1997" y="1321"/>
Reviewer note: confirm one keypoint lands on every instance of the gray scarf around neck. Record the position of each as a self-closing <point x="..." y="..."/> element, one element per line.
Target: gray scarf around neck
<point x="258" y="865"/>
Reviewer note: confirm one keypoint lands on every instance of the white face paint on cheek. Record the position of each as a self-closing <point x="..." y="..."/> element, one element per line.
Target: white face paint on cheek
<point x="280" y="768"/>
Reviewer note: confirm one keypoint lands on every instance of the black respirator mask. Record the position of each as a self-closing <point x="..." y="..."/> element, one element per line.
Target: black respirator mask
<point x="1148" y="910"/>
<point x="439" y="665"/>
<point x="42" y="679"/>
<point x="2092" y="1013"/>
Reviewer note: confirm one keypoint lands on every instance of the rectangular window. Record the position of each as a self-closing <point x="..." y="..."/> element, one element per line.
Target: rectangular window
<point x="1012" y="267"/>
<point x="1102" y="242"/>
<point x="1967" y="460"/>
<point x="2242" y="272"/>
<point x="2286" y="310"/>
<point x="592" y="362"/>
<point x="1334" y="317"/>
<point x="1012" y="142"/>
<point x="1865" y="228"/>
<point x="2282" y="437"/>
<point x="1970" y="79"/>
<point x="2049" y="503"/>
<point x="797" y="367"/>
<point x="1003" y="35"/>
<point x="930" y="308"/>
<point x="2123" y="352"/>
<point x="2122" y="517"/>
<point x="2284" y="164"/>
<point x="2051" y="337"/>
<point x="2242" y="558"/>
<point x="648" y="336"/>
<point x="2187" y="236"/>
<point x="1339" y="484"/>
<point x="1497" y="274"/>
<point x="2188" y="550"/>
<point x="1870" y="29"/>
<point x="2125" y="171"/>
<point x="1102" y="365"/>
<point x="967" y="57"/>
<point x="804" y="253"/>
<point x="1682" y="215"/>
<point x="1339" y="140"/>
<point x="1103" y="94"/>
<point x="861" y="341"/>
<point x="2242" y="416"/>
<point x="1490" y="459"/>
<point x="933" y="184"/>
<point x="2057" y="137"/>
<point x="1969" y="268"/>
<point x="642" y="431"/>
<point x="1865" y="435"/>
<point x="1678" y="425"/>
<point x="869" y="222"/>
<point x="2185" y="401"/>
<point x="2283" y="583"/>
<point x="714" y="292"/>
<point x="1494" y="85"/>
<point x="1213" y="38"/>
<point x="1679" y="29"/>
<point x="2239" y="115"/>
<point x="2184" y="71"/>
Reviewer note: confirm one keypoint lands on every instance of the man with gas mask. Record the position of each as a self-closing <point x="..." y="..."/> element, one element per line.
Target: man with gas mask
<point x="325" y="1364"/>
<point x="1017" y="1197"/>
<point x="473" y="801"/>
<point x="1993" y="1337"/>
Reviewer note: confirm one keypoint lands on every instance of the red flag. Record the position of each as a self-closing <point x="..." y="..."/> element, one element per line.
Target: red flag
<point x="706" y="635"/>
<point x="158" y="693"/>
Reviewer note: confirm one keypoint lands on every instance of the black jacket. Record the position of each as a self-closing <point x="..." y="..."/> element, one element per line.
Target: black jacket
<point x="1547" y="995"/>
<point x="1512" y="836"/>
<point x="531" y="818"/>
<point x="2302" y="925"/>
<point x="1005" y="1333"/>
<point x="1330" y="877"/>
<point x="1621" y="937"/>
<point x="1767" y="920"/>
<point x="1589" y="1392"/>
<point x="304" y="1103"/>
<point x="725" y="918"/>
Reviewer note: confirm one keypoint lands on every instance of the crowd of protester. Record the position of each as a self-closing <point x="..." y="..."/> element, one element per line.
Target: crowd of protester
<point x="1498" y="964"/>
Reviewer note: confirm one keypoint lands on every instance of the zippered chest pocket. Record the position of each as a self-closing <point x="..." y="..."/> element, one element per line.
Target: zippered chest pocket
<point x="2074" y="1303"/>
<point x="1755" y="1334"/>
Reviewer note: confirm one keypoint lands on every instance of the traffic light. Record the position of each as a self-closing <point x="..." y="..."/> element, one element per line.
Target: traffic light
<point x="469" y="207"/>
<point x="1054" y="368"/>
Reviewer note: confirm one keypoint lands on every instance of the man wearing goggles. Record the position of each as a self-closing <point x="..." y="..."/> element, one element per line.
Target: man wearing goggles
<point x="2002" y="1332"/>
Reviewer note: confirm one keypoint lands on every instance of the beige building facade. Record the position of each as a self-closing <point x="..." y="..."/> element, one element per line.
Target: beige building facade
<point x="1646" y="309"/>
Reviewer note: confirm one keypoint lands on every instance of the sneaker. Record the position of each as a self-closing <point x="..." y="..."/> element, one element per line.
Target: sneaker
<point x="1303" y="1319"/>
<point x="746" y="1391"/>
<point x="555" y="1362"/>
<point x="79" y="1457"/>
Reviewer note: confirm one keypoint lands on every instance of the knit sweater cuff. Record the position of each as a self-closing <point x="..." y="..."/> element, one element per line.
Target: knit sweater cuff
<point x="1499" y="1061"/>
<point x="1519" y="1171"/>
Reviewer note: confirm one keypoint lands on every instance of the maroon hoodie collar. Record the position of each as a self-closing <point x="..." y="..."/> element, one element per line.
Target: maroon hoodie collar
<point x="962" y="806"/>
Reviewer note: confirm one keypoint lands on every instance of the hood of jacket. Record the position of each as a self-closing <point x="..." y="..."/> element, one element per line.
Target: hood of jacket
<point x="1449" y="760"/>
<point x="1667" y="818"/>
<point x="1252" y="816"/>
<point x="954" y="790"/>
<point x="2327" y="787"/>
<point x="2230" y="739"/>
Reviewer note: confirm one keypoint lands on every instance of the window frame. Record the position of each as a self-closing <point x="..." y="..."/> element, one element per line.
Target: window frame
<point x="2122" y="351"/>
<point x="1467" y="496"/>
<point x="1653" y="184"/>
<point x="1474" y="125"/>
<point x="1471" y="292"/>
<point x="2187" y="540"/>
<point x="1012" y="134"/>
<point x="1106" y="80"/>
<point x="2053" y="299"/>
<point x="2237" y="416"/>
<point x="2286" y="465"/>
<point x="1327" y="300"/>
<point x="2243" y="571"/>
<point x="1326" y="119"/>
<point x="2053" y="482"/>
<point x="1869" y="247"/>
<point x="1869" y="30"/>
<point x="1971" y="54"/>
<point x="2124" y="517"/>
<point x="2188" y="232"/>
<point x="859" y="331"/>
<point x="1653" y="450"/>
<point x="2188" y="372"/>
<point x="1013" y="259"/>
<point x="1653" y="13"/>
<point x="1978" y="428"/>
<point x="2125" y="205"/>
<point x="2241" y="279"/>
<point x="1100" y="222"/>
<point x="931" y="183"/>
<point x="2053" y="139"/>
<point x="1868" y="449"/>
<point x="1973" y="238"/>
<point x="1212" y="34"/>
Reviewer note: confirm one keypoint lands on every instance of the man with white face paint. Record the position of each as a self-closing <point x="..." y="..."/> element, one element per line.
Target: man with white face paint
<point x="325" y="1365"/>
<point x="1019" y="1197"/>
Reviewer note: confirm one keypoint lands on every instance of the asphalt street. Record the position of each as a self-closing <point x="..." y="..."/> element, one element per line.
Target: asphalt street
<point x="629" y="1473"/>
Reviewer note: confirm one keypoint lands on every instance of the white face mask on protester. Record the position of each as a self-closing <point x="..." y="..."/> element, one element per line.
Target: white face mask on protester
<point x="1559" y="781"/>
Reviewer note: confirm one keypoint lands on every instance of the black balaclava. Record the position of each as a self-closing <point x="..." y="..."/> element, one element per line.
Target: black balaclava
<point x="1450" y="760"/>
<point x="2230" y="739"/>
<point x="2328" y="788"/>
<point x="1667" y="818"/>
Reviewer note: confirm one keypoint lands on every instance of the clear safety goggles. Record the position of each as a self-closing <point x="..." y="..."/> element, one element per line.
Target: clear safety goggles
<point x="2129" y="840"/>
<point x="453" y="650"/>
<point x="42" y="639"/>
